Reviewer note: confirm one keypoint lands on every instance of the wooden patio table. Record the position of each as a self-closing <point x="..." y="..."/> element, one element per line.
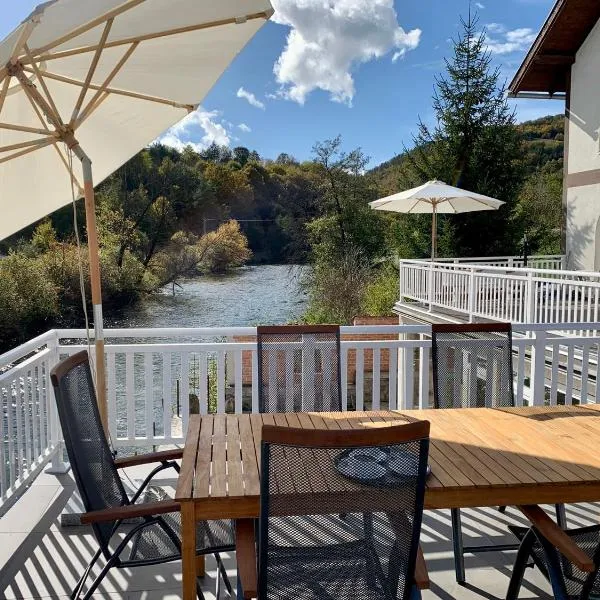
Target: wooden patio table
<point x="478" y="457"/>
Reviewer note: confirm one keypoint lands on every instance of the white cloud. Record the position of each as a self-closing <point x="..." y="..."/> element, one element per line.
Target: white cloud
<point x="244" y="128"/>
<point x="506" y="41"/>
<point x="199" y="130"/>
<point x="329" y="37"/>
<point x="479" y="5"/>
<point x="252" y="99"/>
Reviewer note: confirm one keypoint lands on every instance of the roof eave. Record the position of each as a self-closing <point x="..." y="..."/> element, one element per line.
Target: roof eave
<point x="514" y="86"/>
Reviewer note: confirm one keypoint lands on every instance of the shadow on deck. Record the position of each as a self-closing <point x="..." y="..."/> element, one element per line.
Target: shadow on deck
<point x="41" y="559"/>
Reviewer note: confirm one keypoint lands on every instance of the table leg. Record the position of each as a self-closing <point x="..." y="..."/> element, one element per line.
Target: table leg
<point x="188" y="550"/>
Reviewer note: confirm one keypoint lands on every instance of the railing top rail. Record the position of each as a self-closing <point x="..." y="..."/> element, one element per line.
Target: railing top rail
<point x="29" y="346"/>
<point x="495" y="258"/>
<point x="523" y="270"/>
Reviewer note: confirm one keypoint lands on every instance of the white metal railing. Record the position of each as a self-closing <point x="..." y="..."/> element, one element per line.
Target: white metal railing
<point x="155" y="374"/>
<point x="517" y="295"/>
<point x="29" y="432"/>
<point x="536" y="261"/>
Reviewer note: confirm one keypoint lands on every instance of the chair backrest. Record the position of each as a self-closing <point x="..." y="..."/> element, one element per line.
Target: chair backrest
<point x="299" y="368"/>
<point x="472" y="365"/>
<point x="341" y="511"/>
<point x="90" y="456"/>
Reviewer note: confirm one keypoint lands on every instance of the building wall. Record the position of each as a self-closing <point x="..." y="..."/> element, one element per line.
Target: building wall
<point x="583" y="177"/>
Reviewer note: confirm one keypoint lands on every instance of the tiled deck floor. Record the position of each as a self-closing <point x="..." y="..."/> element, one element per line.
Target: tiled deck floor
<point x="41" y="559"/>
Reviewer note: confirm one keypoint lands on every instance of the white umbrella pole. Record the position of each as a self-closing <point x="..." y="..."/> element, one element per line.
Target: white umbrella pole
<point x="434" y="231"/>
<point x="92" y="237"/>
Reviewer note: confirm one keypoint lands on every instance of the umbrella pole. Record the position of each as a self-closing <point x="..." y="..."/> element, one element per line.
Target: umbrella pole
<point x="92" y="237"/>
<point x="434" y="232"/>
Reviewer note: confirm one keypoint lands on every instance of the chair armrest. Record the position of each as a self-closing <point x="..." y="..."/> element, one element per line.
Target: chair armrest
<point x="152" y="457"/>
<point x="246" y="557"/>
<point x="557" y="537"/>
<point x="130" y="511"/>
<point x="421" y="575"/>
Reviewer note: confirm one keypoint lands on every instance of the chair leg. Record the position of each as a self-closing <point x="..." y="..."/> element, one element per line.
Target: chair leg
<point x="520" y="565"/>
<point x="75" y="593"/>
<point x="199" y="591"/>
<point x="107" y="567"/>
<point x="561" y="516"/>
<point x="223" y="573"/>
<point x="457" y="544"/>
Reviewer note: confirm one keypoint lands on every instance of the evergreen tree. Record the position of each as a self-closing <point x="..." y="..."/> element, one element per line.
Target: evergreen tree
<point x="474" y="145"/>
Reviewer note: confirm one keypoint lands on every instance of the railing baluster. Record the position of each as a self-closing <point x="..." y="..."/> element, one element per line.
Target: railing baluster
<point x="19" y="422"/>
<point x="27" y="406"/>
<point x="344" y="376"/>
<point x="255" y="381"/>
<point x="424" y="369"/>
<point x="130" y="395"/>
<point x="185" y="391"/>
<point x="585" y="359"/>
<point x="167" y="394"/>
<point x="409" y="375"/>
<point x="570" y="369"/>
<point x="203" y="382"/>
<point x="360" y="373"/>
<point x="4" y="454"/>
<point x="555" y="349"/>
<point x="35" y="406"/>
<point x="149" y="393"/>
<point x="376" y="388"/>
<point x="221" y="381"/>
<point x="238" y="382"/>
<point x="520" y="391"/>
<point x="393" y="377"/>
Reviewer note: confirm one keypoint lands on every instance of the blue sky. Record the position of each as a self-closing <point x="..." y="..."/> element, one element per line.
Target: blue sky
<point x="364" y="69"/>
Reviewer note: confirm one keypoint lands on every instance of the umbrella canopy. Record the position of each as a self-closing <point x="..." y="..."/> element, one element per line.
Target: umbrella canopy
<point x="435" y="197"/>
<point x="102" y="79"/>
<point x="117" y="73"/>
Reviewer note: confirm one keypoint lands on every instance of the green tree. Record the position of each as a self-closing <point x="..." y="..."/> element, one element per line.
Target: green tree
<point x="474" y="145"/>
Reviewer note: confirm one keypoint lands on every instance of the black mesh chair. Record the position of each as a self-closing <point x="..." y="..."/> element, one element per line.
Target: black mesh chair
<point x="472" y="368"/>
<point x="568" y="559"/>
<point x="154" y="536"/>
<point x="299" y="368"/>
<point x="305" y="552"/>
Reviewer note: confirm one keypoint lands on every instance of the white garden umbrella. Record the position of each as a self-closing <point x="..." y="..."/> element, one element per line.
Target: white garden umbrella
<point x="102" y="79"/>
<point x="435" y="197"/>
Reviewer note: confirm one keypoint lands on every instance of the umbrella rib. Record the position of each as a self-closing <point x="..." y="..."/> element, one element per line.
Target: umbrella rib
<point x="416" y="202"/>
<point x="38" y="74"/>
<point x="91" y="104"/>
<point x="91" y="71"/>
<point x="115" y="91"/>
<point x="28" y="150"/>
<point x="20" y="145"/>
<point x="149" y="36"/>
<point x="87" y="26"/>
<point x="22" y="39"/>
<point x="4" y="91"/>
<point x="35" y="106"/>
<point x="23" y="128"/>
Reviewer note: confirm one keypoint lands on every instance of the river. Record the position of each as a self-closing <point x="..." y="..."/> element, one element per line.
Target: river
<point x="264" y="294"/>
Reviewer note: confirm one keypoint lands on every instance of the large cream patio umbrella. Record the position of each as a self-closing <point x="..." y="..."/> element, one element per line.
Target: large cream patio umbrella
<point x="102" y="79"/>
<point x="432" y="198"/>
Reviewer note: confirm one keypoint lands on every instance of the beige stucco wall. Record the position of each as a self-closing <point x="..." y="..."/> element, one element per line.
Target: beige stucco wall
<point x="583" y="202"/>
